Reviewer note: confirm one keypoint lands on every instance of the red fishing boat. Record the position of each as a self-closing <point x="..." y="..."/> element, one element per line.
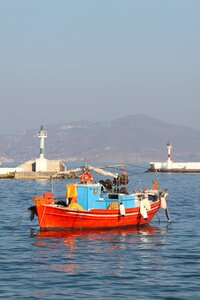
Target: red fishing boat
<point x="98" y="205"/>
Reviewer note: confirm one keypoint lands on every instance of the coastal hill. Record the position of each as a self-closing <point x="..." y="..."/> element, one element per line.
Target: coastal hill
<point x="134" y="138"/>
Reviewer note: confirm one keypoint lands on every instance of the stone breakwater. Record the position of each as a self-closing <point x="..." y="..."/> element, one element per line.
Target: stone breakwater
<point x="37" y="175"/>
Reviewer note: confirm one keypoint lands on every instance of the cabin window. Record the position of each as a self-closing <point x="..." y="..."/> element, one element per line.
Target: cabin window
<point x="113" y="196"/>
<point x="152" y="198"/>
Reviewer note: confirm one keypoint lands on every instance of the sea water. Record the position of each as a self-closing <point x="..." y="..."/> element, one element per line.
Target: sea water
<point x="159" y="261"/>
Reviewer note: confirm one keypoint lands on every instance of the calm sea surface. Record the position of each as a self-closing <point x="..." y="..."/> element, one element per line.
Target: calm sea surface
<point x="160" y="261"/>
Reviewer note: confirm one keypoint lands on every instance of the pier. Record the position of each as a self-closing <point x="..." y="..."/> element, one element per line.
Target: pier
<point x="175" y="167"/>
<point x="40" y="168"/>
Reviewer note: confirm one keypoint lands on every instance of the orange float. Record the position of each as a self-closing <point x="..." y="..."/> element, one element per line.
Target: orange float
<point x="86" y="177"/>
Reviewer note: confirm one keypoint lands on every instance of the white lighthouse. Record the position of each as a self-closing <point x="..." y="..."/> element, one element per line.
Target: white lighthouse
<point x="41" y="163"/>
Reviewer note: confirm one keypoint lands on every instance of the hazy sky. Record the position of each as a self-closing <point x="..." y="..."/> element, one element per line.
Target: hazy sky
<point x="73" y="60"/>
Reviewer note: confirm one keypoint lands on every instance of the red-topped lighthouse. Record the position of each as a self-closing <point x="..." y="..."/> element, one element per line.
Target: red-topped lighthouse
<point x="169" y="161"/>
<point x="169" y="147"/>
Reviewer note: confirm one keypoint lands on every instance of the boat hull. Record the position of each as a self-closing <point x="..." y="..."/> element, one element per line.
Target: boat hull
<point x="52" y="217"/>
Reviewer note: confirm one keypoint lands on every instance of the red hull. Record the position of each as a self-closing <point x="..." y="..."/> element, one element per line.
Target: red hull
<point x="53" y="217"/>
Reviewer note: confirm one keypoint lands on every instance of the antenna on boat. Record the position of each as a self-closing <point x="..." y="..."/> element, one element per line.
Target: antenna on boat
<point x="51" y="184"/>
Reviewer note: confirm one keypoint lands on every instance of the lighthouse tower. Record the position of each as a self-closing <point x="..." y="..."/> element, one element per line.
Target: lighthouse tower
<point x="41" y="163"/>
<point x="169" y="161"/>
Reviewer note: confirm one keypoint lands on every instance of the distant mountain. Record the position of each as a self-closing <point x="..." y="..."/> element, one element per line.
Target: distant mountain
<point x="134" y="138"/>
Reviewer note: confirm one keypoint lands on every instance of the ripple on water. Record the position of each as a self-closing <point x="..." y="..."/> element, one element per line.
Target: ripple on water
<point x="159" y="261"/>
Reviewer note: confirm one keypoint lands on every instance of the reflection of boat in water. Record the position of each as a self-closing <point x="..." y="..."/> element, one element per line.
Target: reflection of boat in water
<point x="81" y="247"/>
<point x="64" y="234"/>
<point x="103" y="205"/>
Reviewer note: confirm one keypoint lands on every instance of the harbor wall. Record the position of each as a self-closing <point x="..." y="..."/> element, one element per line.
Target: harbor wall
<point x="43" y="175"/>
<point x="27" y="170"/>
<point x="175" y="167"/>
<point x="33" y="175"/>
<point x="51" y="166"/>
<point x="4" y="171"/>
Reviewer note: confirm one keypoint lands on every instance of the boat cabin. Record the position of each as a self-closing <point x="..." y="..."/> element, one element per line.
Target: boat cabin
<point x="92" y="196"/>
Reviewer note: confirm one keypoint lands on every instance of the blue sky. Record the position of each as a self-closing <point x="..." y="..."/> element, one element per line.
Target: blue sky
<point x="98" y="60"/>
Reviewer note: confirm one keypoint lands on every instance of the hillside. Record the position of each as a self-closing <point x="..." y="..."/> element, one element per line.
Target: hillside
<point x="135" y="138"/>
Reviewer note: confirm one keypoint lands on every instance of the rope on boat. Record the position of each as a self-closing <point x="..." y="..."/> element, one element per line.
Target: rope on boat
<point x="42" y="215"/>
<point x="19" y="221"/>
<point x="168" y="216"/>
<point x="158" y="217"/>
